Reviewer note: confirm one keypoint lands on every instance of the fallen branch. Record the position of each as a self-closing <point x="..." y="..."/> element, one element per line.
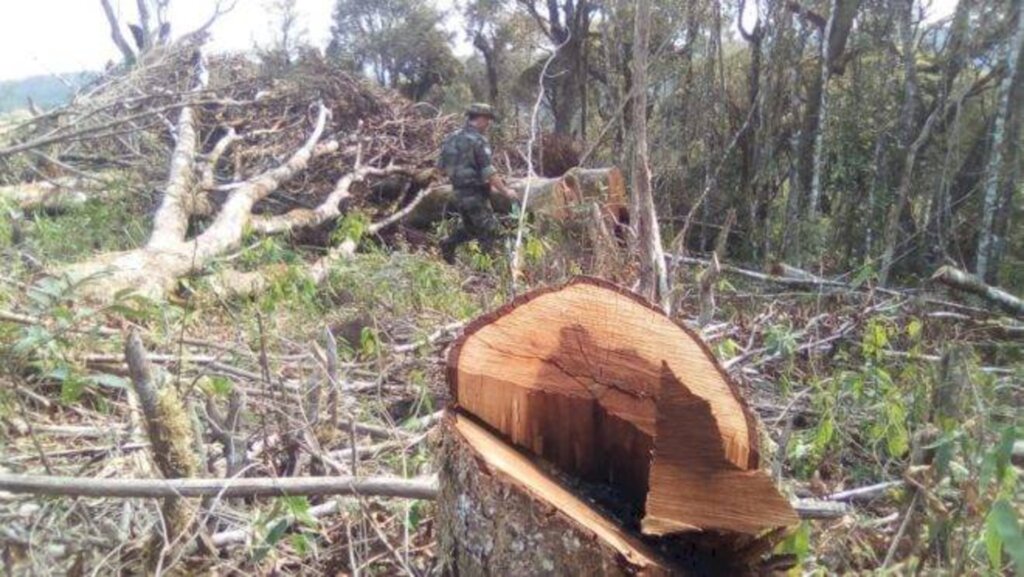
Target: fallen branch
<point x="868" y="492"/>
<point x="153" y="270"/>
<point x="422" y="488"/>
<point x="966" y="282"/>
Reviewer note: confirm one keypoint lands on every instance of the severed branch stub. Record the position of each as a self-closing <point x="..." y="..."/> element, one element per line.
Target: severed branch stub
<point x="586" y="401"/>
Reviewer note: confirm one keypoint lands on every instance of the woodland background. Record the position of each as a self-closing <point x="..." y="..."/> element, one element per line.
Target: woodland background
<point x="812" y="164"/>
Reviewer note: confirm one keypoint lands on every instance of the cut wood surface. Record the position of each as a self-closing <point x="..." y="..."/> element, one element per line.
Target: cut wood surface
<point x="489" y="499"/>
<point x="601" y="384"/>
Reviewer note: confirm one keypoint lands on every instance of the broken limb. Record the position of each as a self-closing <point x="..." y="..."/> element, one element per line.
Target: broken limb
<point x="152" y="271"/>
<point x="423" y="488"/>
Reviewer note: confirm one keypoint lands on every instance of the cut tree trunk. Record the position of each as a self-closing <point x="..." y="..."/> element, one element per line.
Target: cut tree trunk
<point x="607" y="392"/>
<point x="555" y="197"/>
<point x="489" y="502"/>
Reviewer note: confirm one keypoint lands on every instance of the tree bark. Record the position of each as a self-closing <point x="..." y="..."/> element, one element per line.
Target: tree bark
<point x="966" y="282"/>
<point x="653" y="271"/>
<point x="986" y="235"/>
<point x="499" y="514"/>
<point x="115" y="32"/>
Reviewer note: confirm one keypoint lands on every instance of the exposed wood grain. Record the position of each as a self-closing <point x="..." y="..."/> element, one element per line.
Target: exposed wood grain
<point x="600" y="383"/>
<point x="570" y="537"/>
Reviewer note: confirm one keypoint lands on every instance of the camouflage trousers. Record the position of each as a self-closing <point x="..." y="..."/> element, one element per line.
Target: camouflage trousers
<point x="478" y="220"/>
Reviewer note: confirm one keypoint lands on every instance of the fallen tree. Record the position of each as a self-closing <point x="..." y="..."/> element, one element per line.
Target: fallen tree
<point x="966" y="282"/>
<point x="610" y="394"/>
<point x="554" y="197"/>
<point x="250" y="153"/>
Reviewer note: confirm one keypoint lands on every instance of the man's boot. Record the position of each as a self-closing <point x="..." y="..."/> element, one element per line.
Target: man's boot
<point x="448" y="251"/>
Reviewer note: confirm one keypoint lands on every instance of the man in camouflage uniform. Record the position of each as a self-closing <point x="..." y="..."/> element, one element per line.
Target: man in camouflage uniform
<point x="466" y="161"/>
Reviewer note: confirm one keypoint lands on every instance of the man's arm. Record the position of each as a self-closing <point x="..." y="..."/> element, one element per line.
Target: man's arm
<point x="498" y="183"/>
<point x="488" y="173"/>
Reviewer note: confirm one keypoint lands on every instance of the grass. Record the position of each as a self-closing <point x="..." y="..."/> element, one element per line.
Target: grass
<point x="113" y="223"/>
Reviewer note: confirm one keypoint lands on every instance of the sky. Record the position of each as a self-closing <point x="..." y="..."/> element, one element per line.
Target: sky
<point x="60" y="36"/>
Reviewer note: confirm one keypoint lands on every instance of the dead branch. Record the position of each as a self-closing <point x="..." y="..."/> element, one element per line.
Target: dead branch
<point x="171" y="221"/>
<point x="966" y="282"/>
<point x="152" y="271"/>
<point x="171" y="435"/>
<point x="421" y="488"/>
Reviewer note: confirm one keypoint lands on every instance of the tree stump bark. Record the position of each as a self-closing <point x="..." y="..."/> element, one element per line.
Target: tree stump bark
<point x="503" y="515"/>
<point x="592" y="435"/>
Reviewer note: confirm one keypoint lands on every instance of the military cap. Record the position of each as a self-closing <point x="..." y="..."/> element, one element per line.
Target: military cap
<point x="480" y="109"/>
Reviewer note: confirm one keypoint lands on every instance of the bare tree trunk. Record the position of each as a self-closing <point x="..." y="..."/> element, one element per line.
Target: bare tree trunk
<point x="818" y="163"/>
<point x="986" y="236"/>
<point x="115" y="32"/>
<point x="653" y="271"/>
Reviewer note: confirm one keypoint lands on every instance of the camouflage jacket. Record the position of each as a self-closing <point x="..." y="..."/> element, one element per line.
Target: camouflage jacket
<point x="466" y="158"/>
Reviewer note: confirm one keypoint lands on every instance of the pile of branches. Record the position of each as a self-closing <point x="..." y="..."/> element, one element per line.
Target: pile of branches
<point x="126" y="119"/>
<point x="232" y="146"/>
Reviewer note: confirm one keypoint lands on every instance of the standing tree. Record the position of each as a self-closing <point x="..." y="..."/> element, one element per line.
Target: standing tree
<point x="987" y="267"/>
<point x="653" y="272"/>
<point x="567" y="26"/>
<point x="288" y="33"/>
<point x="400" y="42"/>
<point x="149" y="33"/>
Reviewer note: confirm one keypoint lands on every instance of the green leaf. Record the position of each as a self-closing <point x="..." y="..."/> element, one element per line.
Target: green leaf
<point x="277" y="531"/>
<point x="109" y="381"/>
<point x="221" y="386"/>
<point x="996" y="461"/>
<point x="914" y="329"/>
<point x="301" y="543"/>
<point x="1003" y="520"/>
<point x="993" y="544"/>
<point x="415" y="515"/>
<point x="799" y="543"/>
<point x="298" y="507"/>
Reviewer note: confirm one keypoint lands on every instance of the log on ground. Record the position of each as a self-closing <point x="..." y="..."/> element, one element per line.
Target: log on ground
<point x="554" y="197"/>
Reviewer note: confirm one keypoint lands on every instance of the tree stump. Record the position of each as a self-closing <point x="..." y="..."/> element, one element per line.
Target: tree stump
<point x="591" y="435"/>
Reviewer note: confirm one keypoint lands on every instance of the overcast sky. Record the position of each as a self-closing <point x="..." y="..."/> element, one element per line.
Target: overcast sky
<point x="56" y="36"/>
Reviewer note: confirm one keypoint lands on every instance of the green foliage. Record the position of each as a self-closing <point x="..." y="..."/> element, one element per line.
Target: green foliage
<point x="353" y="227"/>
<point x="49" y="347"/>
<point x="402" y="42"/>
<point x="293" y="288"/>
<point x="399" y="284"/>
<point x="116" y="222"/>
<point x="780" y="340"/>
<point x="1003" y="533"/>
<point x="266" y="251"/>
<point x="272" y="527"/>
<point x="797" y="543"/>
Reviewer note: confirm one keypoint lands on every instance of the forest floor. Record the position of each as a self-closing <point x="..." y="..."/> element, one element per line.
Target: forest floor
<point x="906" y="393"/>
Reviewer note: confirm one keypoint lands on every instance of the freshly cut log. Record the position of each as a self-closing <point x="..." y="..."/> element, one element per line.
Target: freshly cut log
<point x="554" y="197"/>
<point x="501" y="514"/>
<point x="601" y="387"/>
